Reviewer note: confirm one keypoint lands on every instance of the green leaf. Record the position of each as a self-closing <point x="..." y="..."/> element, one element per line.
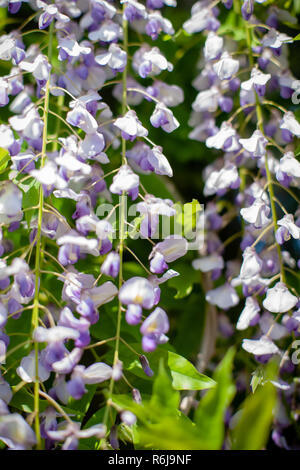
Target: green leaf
<point x="257" y="378"/>
<point x="164" y="396"/>
<point x="4" y="159"/>
<point x="297" y="38"/>
<point x="186" y="217"/>
<point x="252" y="429"/>
<point x="185" y="376"/>
<point x="24" y="401"/>
<point x="184" y="283"/>
<point x="210" y="413"/>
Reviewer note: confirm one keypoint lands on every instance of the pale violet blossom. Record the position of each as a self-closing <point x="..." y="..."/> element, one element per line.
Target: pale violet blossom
<point x="289" y="164"/>
<point x="95" y="373"/>
<point x="171" y="248"/>
<point x="27" y="369"/>
<point x="287" y="228"/>
<point x="86" y="245"/>
<point x="252" y="264"/>
<point x="50" y="12"/>
<point x="256" y="144"/>
<point x="69" y="48"/>
<point x="270" y="327"/>
<point x="170" y="95"/>
<point x="207" y="100"/>
<point x="213" y="46"/>
<point x="54" y="334"/>
<point x="208" y="263"/>
<point x="226" y="66"/>
<point x="257" y="81"/>
<point x="16" y="433"/>
<point x="260" y="347"/>
<point x="29" y="123"/>
<point x="257" y="214"/>
<point x="199" y="20"/>
<point x="164" y="118"/>
<point x="154" y="328"/>
<point x="40" y="67"/>
<point x="223" y="297"/>
<point x="125" y="181"/>
<point x="249" y="314"/>
<point x="150" y="61"/>
<point x="290" y="123"/>
<point x="274" y="39"/>
<point x="10" y="203"/>
<point x="138" y="291"/>
<point x="225" y="138"/>
<point x="101" y="295"/>
<point x="130" y="126"/>
<point x="80" y="117"/>
<point x="279" y="299"/>
<point x="227" y="177"/>
<point x="48" y="176"/>
<point x="114" y="57"/>
<point x="159" y="162"/>
<point x="108" y="31"/>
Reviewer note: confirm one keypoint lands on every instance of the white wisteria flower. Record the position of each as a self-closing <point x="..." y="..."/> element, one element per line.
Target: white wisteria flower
<point x="260" y="347"/>
<point x="279" y="299"/>
<point x="249" y="314"/>
<point x="223" y="297"/>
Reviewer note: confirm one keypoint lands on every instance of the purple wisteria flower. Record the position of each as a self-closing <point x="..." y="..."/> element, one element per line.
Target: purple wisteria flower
<point x="164" y="118"/>
<point x="125" y="181"/>
<point x="154" y="328"/>
<point x="130" y="126"/>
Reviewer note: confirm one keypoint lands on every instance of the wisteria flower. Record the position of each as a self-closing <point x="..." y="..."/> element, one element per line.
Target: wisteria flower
<point x="115" y="58"/>
<point x="80" y="117"/>
<point x="50" y="12"/>
<point x="125" y="181"/>
<point x="256" y="144"/>
<point x="130" y="126"/>
<point x="290" y="124"/>
<point x="40" y="67"/>
<point x="138" y="291"/>
<point x="260" y="347"/>
<point x="249" y="315"/>
<point x="279" y="299"/>
<point x="257" y="213"/>
<point x="223" y="297"/>
<point x="164" y="118"/>
<point x="226" y="67"/>
<point x="287" y="228"/>
<point x="154" y="328"/>
<point x="257" y="81"/>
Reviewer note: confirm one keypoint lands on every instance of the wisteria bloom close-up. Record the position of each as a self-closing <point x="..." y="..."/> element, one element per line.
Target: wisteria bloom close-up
<point x="149" y="225"/>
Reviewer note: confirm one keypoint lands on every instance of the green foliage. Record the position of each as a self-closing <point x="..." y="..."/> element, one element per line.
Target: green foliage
<point x="4" y="159"/>
<point x="255" y="417"/>
<point x="161" y="411"/>
<point x="211" y="410"/>
<point x="185" y="376"/>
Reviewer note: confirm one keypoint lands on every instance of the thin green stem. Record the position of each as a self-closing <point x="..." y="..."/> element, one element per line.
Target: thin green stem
<point x="121" y="228"/>
<point x="259" y="115"/>
<point x="35" y="312"/>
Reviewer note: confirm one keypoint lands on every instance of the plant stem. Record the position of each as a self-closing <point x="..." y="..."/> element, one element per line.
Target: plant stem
<point x="121" y="228"/>
<point x="268" y="172"/>
<point x="35" y="312"/>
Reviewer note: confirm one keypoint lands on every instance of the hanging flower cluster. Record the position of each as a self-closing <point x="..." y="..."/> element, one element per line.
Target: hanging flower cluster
<point x="244" y="112"/>
<point x="61" y="136"/>
<point x="84" y="86"/>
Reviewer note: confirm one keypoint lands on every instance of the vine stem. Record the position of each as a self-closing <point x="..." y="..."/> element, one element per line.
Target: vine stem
<point x="35" y="312"/>
<point x="121" y="228"/>
<point x="268" y="172"/>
